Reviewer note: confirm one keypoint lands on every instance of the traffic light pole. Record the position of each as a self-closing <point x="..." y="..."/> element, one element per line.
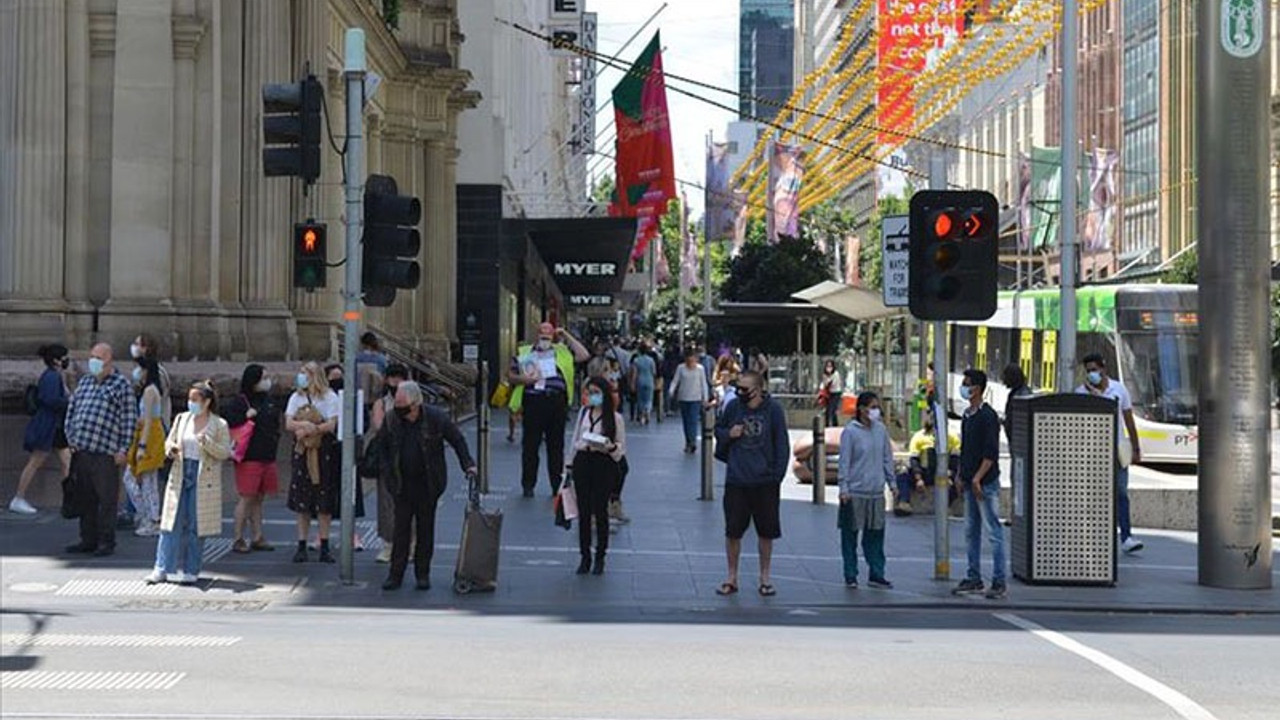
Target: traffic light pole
<point x="1067" y="210"/>
<point x="354" y="73"/>
<point x="941" y="434"/>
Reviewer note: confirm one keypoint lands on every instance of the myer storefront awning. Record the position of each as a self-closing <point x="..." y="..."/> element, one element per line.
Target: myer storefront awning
<point x="854" y="303"/>
<point x="587" y="256"/>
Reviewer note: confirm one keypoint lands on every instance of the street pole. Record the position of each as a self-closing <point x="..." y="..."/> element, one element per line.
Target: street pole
<point x="706" y="251"/>
<point x="684" y="238"/>
<point x="351" y="292"/>
<point x="1233" y="144"/>
<point x="1067" y="210"/>
<point x="482" y="429"/>
<point x="941" y="476"/>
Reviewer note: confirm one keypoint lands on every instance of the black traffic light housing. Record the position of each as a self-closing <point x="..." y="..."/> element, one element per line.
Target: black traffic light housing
<point x="954" y="254"/>
<point x="391" y="241"/>
<point x="310" y="258"/>
<point x="291" y="129"/>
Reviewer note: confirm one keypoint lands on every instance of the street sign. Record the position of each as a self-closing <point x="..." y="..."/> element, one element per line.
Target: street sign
<point x="470" y="353"/>
<point x="896" y="243"/>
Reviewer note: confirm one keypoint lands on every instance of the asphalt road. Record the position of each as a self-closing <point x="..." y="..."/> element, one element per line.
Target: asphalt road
<point x="630" y="663"/>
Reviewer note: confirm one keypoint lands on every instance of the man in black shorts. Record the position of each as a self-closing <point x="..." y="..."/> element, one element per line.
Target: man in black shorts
<point x="753" y="429"/>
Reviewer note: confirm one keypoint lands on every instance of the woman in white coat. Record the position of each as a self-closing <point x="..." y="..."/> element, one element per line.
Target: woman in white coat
<point x="199" y="443"/>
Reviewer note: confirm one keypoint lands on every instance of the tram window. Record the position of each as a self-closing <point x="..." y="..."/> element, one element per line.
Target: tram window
<point x="965" y="343"/>
<point x="1102" y="344"/>
<point x="999" y="350"/>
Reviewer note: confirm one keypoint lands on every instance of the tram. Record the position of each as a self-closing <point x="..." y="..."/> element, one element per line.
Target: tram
<point x="1147" y="333"/>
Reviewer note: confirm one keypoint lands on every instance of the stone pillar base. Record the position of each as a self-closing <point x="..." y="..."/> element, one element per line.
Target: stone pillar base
<point x="319" y="338"/>
<point x="28" y="324"/>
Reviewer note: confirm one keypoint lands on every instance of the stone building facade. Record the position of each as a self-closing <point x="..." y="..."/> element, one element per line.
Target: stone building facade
<point x="132" y="196"/>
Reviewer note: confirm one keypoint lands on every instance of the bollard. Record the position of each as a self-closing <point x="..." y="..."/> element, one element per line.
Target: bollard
<point x="819" y="459"/>
<point x="708" y="454"/>
<point x="482" y="431"/>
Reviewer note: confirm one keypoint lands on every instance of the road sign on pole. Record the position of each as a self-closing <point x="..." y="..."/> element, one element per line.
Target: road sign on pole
<point x="895" y="235"/>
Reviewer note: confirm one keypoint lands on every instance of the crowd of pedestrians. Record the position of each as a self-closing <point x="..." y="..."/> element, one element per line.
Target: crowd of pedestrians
<point x="138" y="465"/>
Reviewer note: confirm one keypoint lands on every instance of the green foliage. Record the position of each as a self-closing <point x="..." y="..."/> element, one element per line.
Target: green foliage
<point x="771" y="273"/>
<point x="602" y="193"/>
<point x="663" y="318"/>
<point x="391" y="13"/>
<point x="1185" y="269"/>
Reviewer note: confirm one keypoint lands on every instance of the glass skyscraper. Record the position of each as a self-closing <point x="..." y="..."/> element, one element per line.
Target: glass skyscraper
<point x="766" y="47"/>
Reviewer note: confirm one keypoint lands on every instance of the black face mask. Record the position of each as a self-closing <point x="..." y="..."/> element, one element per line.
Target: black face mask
<point x="403" y="412"/>
<point x="335" y="385"/>
<point x="388" y="390"/>
<point x="64" y="363"/>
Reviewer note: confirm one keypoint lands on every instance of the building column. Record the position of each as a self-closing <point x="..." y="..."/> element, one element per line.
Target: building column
<point x="33" y="49"/>
<point x="78" y="265"/>
<point x="141" y="162"/>
<point x="439" y="285"/>
<point x="265" y="221"/>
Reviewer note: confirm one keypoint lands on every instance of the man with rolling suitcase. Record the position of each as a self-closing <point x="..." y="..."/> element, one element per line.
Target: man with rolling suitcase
<point x="410" y="446"/>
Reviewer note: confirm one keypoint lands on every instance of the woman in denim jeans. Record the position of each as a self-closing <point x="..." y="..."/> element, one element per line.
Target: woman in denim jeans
<point x="198" y="443"/>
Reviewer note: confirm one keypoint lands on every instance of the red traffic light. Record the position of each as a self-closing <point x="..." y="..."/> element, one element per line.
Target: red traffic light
<point x="973" y="224"/>
<point x="944" y="223"/>
<point x="309" y="240"/>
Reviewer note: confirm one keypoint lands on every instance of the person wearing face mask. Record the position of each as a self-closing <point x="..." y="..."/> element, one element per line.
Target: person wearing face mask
<point x="922" y="471"/>
<point x="146" y="454"/>
<point x="100" y="422"/>
<point x="382" y="407"/>
<point x="256" y="474"/>
<point x="145" y="346"/>
<point x="198" y="443"/>
<point x="597" y="469"/>
<point x="311" y="416"/>
<point x="410" y="442"/>
<point x="336" y="383"/>
<point x="866" y="467"/>
<point x="1098" y="383"/>
<point x="46" y="432"/>
<point x="541" y="377"/>
<point x="980" y="482"/>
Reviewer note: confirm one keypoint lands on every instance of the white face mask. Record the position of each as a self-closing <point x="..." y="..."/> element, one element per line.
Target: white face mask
<point x="873" y="414"/>
<point x="135" y="350"/>
<point x="264" y="385"/>
<point x="544" y="344"/>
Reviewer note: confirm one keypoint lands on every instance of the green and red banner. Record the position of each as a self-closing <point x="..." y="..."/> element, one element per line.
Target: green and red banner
<point x="645" y="165"/>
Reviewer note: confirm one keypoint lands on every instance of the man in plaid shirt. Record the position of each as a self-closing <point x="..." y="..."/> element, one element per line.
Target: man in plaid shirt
<point x="100" y="421"/>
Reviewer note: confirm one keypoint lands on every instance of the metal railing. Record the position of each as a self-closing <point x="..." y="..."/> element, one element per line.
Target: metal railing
<point x="445" y="385"/>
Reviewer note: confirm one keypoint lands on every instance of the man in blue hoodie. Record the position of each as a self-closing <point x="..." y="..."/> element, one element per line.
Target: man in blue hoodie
<point x="866" y="467"/>
<point x="753" y="429"/>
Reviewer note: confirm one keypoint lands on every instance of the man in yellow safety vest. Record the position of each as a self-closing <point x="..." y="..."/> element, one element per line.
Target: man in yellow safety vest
<point x="541" y="376"/>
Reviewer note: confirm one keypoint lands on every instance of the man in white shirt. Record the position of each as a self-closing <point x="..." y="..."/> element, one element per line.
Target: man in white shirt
<point x="1097" y="383"/>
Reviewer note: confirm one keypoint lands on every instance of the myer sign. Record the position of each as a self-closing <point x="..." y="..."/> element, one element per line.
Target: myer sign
<point x="586" y="269"/>
<point x="590" y="300"/>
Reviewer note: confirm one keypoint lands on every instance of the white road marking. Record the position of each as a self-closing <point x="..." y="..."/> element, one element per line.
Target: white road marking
<point x="72" y="640"/>
<point x="215" y="549"/>
<point x="88" y="680"/>
<point x="113" y="588"/>
<point x="1179" y="703"/>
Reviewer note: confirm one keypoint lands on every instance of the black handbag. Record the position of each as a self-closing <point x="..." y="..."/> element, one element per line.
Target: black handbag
<point x="370" y="463"/>
<point x="77" y="495"/>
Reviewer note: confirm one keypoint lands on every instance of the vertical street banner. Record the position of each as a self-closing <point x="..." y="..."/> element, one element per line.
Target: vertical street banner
<point x="646" y="168"/>
<point x="786" y="175"/>
<point x="718" y="217"/>
<point x="1040" y="198"/>
<point x="587" y="93"/>
<point x="1099" y="223"/>
<point x="853" y="259"/>
<point x="688" y="260"/>
<point x="908" y="32"/>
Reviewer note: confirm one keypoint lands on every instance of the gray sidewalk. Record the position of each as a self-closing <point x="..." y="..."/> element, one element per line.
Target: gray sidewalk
<point x="669" y="559"/>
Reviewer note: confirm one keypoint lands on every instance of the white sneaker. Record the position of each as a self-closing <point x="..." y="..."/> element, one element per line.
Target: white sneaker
<point x="384" y="555"/>
<point x="185" y="578"/>
<point x="147" y="529"/>
<point x="156" y="577"/>
<point x="20" y="505"/>
<point x="1132" y="545"/>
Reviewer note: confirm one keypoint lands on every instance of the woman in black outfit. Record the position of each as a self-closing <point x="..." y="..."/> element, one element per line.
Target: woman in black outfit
<point x="256" y="475"/>
<point x="596" y="470"/>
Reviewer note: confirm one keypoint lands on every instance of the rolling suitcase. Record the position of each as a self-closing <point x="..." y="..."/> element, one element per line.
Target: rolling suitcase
<point x="477" y="569"/>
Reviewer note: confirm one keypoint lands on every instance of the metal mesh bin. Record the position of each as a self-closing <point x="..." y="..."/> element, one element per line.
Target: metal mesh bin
<point x="1064" y="490"/>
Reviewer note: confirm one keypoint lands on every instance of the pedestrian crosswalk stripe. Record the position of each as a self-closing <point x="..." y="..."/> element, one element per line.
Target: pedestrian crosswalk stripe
<point x="114" y="588"/>
<point x="216" y="548"/>
<point x="88" y="680"/>
<point x="72" y="640"/>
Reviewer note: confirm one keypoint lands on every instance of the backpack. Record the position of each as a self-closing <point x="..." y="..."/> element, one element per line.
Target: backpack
<point x="31" y="399"/>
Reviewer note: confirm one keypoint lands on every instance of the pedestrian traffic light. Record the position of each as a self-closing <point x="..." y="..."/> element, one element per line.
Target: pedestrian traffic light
<point x="391" y="241"/>
<point x="309" y="257"/>
<point x="954" y="254"/>
<point x="291" y="123"/>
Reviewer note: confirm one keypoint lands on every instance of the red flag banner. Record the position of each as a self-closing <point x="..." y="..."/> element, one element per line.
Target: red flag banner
<point x="908" y="32"/>
<point x="646" y="168"/>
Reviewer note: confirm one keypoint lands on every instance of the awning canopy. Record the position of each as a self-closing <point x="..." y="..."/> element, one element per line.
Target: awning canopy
<point x="588" y="256"/>
<point x="849" y="302"/>
<point x="754" y="313"/>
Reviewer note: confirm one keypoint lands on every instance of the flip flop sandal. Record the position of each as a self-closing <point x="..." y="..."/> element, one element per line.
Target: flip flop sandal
<point x="767" y="590"/>
<point x="726" y="588"/>
<point x="240" y="546"/>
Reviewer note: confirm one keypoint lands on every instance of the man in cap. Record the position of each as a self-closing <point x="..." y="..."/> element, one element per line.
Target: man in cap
<point x="541" y="375"/>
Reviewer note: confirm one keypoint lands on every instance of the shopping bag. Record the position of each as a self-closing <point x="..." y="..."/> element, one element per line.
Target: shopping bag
<point x="240" y="437"/>
<point x="77" y="495"/>
<point x="501" y="395"/>
<point x="568" y="497"/>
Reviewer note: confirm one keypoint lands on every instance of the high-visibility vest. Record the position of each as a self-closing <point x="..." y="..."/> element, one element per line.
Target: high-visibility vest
<point x="564" y="363"/>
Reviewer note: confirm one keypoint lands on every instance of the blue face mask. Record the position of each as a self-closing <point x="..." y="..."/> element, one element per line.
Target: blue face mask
<point x="302" y="381"/>
<point x="96" y="366"/>
<point x="137" y="375"/>
<point x="1095" y="377"/>
<point x="195" y="408"/>
<point x="595" y="399"/>
<point x="966" y="392"/>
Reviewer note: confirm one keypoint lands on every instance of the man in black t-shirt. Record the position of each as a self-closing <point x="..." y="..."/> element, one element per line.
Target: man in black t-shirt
<point x="980" y="482"/>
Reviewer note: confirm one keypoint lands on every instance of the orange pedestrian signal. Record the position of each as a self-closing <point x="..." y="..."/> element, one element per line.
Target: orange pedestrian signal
<point x="309" y="255"/>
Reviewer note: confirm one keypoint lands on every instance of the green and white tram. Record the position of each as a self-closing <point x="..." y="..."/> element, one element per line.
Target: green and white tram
<point x="1147" y="333"/>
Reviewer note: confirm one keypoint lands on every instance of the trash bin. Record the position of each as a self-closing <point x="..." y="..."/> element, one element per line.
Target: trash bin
<point x="1064" y="490"/>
